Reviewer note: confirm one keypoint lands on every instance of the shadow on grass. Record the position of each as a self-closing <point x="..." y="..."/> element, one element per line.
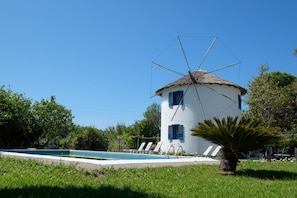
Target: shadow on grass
<point x="268" y="174"/>
<point x="104" y="191"/>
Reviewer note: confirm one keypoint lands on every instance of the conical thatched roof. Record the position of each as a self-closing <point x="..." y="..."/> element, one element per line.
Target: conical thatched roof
<point x="201" y="77"/>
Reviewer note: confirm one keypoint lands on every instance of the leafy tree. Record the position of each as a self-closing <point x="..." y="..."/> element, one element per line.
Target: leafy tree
<point x="89" y="138"/>
<point x="131" y="137"/>
<point x="144" y="128"/>
<point x="110" y="132"/>
<point x="52" y="121"/>
<point x="291" y="140"/>
<point x="236" y="137"/>
<point x="272" y="99"/>
<point x="153" y="118"/>
<point x="15" y="119"/>
<point x="149" y="127"/>
<point x="114" y="135"/>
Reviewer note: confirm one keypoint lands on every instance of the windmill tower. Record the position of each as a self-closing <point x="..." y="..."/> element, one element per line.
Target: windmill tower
<point x="194" y="97"/>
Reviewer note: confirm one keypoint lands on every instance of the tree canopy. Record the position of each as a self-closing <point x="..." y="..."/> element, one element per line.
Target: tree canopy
<point x="272" y="98"/>
<point x="23" y="124"/>
<point x="147" y="128"/>
<point x="89" y="138"/>
<point x="15" y="119"/>
<point x="52" y="121"/>
<point x="46" y="123"/>
<point x="153" y="117"/>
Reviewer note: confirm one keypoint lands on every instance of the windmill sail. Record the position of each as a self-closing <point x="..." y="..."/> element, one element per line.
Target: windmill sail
<point x="194" y="97"/>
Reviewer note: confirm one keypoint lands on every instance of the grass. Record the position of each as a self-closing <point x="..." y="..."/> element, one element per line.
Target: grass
<point x="29" y="178"/>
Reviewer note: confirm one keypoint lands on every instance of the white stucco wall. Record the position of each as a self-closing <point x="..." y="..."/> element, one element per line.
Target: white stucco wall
<point x="215" y="100"/>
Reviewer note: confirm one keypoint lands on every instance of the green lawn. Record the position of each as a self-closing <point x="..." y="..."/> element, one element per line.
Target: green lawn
<point x="28" y="178"/>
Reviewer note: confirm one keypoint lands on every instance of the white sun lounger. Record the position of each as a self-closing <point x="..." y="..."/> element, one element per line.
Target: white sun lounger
<point x="216" y="151"/>
<point x="140" y="149"/>
<point x="157" y="149"/>
<point x="148" y="147"/>
<point x="207" y="151"/>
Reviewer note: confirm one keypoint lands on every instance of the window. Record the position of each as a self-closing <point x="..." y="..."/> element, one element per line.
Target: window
<point x="239" y="101"/>
<point x="176" y="132"/>
<point x="176" y="98"/>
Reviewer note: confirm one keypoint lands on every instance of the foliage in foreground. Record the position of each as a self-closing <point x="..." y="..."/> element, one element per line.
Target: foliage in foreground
<point x="27" y="178"/>
<point x="236" y="137"/>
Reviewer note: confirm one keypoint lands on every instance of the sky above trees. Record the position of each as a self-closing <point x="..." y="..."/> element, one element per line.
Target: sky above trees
<point x="96" y="57"/>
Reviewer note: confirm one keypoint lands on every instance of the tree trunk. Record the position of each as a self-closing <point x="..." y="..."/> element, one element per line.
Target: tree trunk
<point x="229" y="161"/>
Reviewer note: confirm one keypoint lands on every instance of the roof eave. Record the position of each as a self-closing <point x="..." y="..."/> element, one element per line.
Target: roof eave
<point x="159" y="92"/>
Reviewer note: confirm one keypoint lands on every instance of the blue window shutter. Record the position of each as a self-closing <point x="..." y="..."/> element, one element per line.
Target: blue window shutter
<point x="239" y="101"/>
<point x="180" y="132"/>
<point x="181" y="98"/>
<point x="170" y="99"/>
<point x="170" y="132"/>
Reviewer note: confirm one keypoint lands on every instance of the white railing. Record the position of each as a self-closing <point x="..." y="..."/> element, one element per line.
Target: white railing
<point x="175" y="151"/>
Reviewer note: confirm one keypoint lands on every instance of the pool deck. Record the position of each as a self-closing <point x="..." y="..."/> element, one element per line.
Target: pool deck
<point x="91" y="164"/>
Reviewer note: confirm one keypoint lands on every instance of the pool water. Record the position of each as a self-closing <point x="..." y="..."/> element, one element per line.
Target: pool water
<point x="86" y="154"/>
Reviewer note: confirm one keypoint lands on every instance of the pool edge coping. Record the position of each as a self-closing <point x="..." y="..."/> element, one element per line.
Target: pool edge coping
<point x="91" y="164"/>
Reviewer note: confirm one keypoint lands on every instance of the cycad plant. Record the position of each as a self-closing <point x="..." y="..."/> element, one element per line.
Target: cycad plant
<point x="236" y="136"/>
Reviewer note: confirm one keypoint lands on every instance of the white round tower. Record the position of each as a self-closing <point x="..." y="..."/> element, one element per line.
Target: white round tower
<point x="192" y="99"/>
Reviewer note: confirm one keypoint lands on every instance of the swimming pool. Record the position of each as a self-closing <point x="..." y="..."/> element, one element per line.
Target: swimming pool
<point x="86" y="154"/>
<point x="115" y="160"/>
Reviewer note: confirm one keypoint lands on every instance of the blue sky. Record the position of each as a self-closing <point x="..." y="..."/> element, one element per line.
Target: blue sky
<point x="96" y="56"/>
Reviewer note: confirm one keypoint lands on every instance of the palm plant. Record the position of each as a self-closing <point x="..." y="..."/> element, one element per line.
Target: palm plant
<point x="236" y="136"/>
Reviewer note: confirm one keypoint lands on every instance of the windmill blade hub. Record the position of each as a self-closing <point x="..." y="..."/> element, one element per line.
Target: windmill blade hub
<point x="192" y="78"/>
